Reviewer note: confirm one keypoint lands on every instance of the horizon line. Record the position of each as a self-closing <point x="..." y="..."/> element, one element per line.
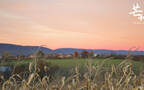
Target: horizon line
<point x="130" y="49"/>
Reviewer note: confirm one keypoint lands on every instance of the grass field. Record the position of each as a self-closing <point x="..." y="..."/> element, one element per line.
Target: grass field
<point x="66" y="64"/>
<point x="79" y="74"/>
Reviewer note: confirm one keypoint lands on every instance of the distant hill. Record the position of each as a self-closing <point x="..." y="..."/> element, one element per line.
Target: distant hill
<point x="18" y="49"/>
<point x="98" y="51"/>
<point x="27" y="50"/>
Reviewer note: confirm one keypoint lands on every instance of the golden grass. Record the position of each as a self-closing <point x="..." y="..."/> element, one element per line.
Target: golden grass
<point x="120" y="77"/>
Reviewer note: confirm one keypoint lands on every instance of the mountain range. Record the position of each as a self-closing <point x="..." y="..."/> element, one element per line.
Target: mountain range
<point x="27" y="50"/>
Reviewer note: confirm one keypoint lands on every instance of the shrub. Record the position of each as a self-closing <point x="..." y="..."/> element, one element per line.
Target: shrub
<point x="46" y="68"/>
<point x="84" y="54"/>
<point x="138" y="57"/>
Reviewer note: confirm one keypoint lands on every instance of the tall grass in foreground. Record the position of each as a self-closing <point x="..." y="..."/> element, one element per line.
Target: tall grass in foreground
<point x="95" y="77"/>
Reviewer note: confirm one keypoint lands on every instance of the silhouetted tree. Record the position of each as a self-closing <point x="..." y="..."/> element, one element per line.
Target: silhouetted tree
<point x="40" y="54"/>
<point x="91" y="54"/>
<point x="84" y="54"/>
<point x="6" y="56"/>
<point x="21" y="57"/>
<point x="76" y="54"/>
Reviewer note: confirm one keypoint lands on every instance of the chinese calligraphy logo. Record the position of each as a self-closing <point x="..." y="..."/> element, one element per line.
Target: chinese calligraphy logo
<point x="137" y="12"/>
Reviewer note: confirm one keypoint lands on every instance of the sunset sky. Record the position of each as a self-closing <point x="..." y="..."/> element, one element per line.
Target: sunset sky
<point x="91" y="24"/>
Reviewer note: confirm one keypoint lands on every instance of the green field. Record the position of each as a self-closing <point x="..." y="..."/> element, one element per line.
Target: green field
<point x="67" y="64"/>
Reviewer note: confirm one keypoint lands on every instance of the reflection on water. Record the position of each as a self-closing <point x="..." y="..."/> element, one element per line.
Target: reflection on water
<point x="5" y="69"/>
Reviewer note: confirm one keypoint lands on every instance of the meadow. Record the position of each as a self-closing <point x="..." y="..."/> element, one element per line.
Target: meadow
<point x="75" y="74"/>
<point x="72" y="63"/>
